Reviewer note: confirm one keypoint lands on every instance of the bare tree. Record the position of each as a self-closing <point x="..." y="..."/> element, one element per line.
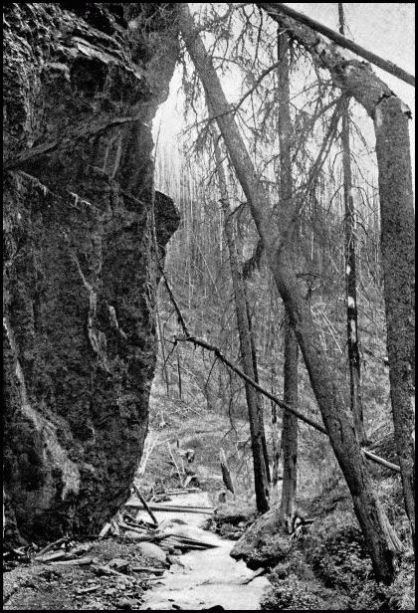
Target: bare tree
<point x="244" y="331"/>
<point x="289" y="442"/>
<point x="390" y="119"/>
<point x="350" y="268"/>
<point x="337" y="418"/>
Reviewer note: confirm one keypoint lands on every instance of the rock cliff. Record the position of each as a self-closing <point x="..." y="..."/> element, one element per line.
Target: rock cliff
<point x="81" y="86"/>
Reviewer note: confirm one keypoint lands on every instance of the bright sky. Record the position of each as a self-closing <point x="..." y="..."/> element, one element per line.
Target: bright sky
<point x="387" y="29"/>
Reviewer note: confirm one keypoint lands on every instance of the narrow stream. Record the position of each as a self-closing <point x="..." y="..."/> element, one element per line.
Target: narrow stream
<point x="208" y="578"/>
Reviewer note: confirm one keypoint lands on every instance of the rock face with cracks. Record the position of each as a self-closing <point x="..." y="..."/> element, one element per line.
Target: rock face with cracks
<point x="81" y="87"/>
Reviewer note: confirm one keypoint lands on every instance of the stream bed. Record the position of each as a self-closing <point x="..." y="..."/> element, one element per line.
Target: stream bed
<point x="207" y="578"/>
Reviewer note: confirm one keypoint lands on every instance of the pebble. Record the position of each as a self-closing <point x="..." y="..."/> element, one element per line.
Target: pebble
<point x="132" y="536"/>
<point x="119" y="564"/>
<point x="126" y="603"/>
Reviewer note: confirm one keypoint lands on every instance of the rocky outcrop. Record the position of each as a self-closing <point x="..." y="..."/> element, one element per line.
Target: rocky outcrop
<point x="81" y="86"/>
<point x="263" y="545"/>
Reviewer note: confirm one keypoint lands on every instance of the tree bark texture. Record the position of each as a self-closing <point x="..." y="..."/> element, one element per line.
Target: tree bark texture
<point x="337" y="418"/>
<point x="398" y="256"/>
<point x="289" y="443"/>
<point x="246" y="347"/>
<point x="351" y="284"/>
<point x="390" y="118"/>
<point x="260" y="402"/>
<point x="350" y="268"/>
<point x="289" y="428"/>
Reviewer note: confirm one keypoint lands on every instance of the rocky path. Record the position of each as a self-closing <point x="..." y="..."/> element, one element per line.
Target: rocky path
<point x="204" y="578"/>
<point x="193" y="581"/>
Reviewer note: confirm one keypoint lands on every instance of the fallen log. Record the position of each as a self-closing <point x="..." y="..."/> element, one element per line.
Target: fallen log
<point x="182" y="491"/>
<point x="145" y="504"/>
<point x="184" y="546"/>
<point x="172" y="509"/>
<point x="73" y="562"/>
<point x="104" y="530"/>
<point x="145" y="569"/>
<point x="125" y="526"/>
<point x="87" y="590"/>
<point x="53" y="556"/>
<point x="106" y="570"/>
<point x="191" y="541"/>
<point x="52" y="545"/>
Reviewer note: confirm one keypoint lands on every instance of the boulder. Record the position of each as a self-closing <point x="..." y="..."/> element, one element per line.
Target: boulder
<point x="263" y="545"/>
<point x="149" y="550"/>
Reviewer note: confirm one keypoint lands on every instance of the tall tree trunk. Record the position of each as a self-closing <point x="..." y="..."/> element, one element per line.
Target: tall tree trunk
<point x="398" y="252"/>
<point x="260" y="402"/>
<point x="390" y="118"/>
<point x="179" y="372"/>
<point x="337" y="419"/>
<point x="247" y="355"/>
<point x="289" y="428"/>
<point x="290" y="423"/>
<point x="350" y="268"/>
<point x="276" y="448"/>
<point x="162" y="345"/>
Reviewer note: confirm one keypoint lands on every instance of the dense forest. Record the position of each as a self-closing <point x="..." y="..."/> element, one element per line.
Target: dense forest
<point x="209" y="293"/>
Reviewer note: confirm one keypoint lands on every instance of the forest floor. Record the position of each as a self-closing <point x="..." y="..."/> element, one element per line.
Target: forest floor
<point x="193" y="581"/>
<point x="31" y="585"/>
<point x="325" y="570"/>
<point x="51" y="587"/>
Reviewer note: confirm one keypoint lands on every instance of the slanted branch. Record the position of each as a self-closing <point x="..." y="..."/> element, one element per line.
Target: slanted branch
<point x="198" y="342"/>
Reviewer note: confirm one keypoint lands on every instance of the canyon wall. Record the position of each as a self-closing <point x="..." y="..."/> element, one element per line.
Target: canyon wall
<point x="81" y="87"/>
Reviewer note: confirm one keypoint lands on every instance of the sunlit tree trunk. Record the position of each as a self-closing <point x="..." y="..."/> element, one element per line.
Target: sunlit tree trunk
<point x="336" y="416"/>
<point x="350" y="268"/>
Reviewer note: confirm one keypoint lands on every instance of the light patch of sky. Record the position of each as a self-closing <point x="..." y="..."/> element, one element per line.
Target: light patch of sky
<point x="387" y="29"/>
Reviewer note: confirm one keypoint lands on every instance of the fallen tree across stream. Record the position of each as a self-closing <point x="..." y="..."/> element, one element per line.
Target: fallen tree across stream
<point x="174" y="508"/>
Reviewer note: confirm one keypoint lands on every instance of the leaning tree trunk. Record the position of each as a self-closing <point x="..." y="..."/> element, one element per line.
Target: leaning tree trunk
<point x="290" y="372"/>
<point x="241" y="308"/>
<point x="390" y="117"/>
<point x="337" y="419"/>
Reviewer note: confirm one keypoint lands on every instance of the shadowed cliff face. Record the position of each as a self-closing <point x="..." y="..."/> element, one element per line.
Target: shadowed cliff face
<point x="81" y="86"/>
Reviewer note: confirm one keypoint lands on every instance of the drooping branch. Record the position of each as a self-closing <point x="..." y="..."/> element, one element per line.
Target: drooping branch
<point x="307" y="420"/>
<point x="198" y="342"/>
